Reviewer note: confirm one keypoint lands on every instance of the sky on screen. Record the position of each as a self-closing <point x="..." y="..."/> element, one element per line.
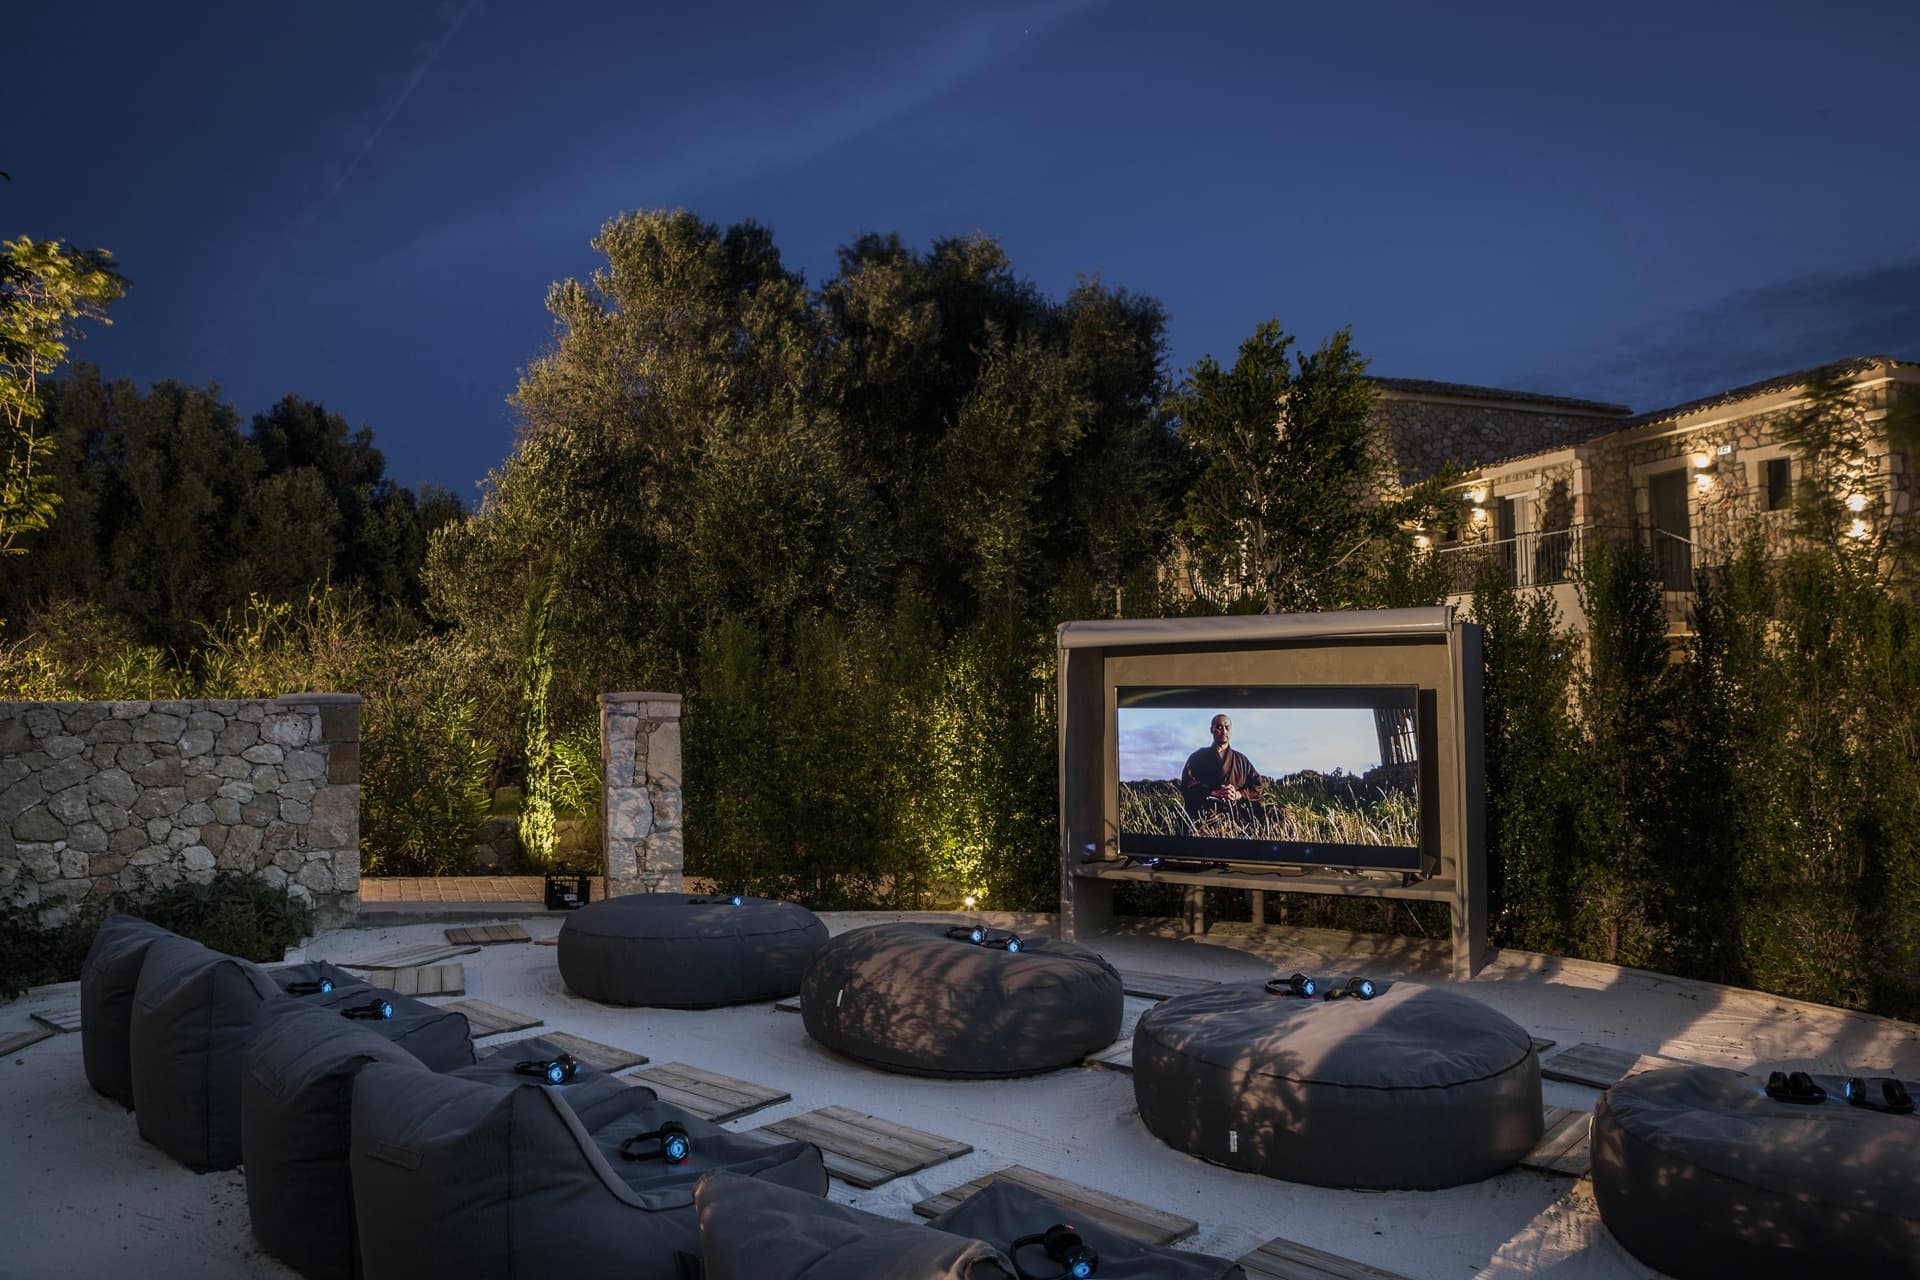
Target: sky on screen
<point x="1156" y="741"/>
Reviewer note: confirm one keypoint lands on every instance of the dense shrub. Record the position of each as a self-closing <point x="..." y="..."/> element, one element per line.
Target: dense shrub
<point x="233" y="913"/>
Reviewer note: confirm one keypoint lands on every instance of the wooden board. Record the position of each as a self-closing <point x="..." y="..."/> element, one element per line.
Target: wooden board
<point x="711" y="1097"/>
<point x="1282" y="1259"/>
<point x="1565" y="1147"/>
<point x="1541" y="1046"/>
<point x="408" y="957"/>
<point x="485" y="1019"/>
<point x="21" y="1039"/>
<point x="601" y="1057"/>
<point x="486" y="935"/>
<point x="1598" y="1067"/>
<point x="1161" y="986"/>
<point x="1141" y="1222"/>
<point x="547" y="942"/>
<point x="422" y="980"/>
<point x="789" y="1006"/>
<point x="864" y="1151"/>
<point x="1117" y="1056"/>
<point x="62" y="1019"/>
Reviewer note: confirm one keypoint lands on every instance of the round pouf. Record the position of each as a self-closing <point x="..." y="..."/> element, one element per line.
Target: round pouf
<point x="1699" y="1173"/>
<point x="907" y="997"/>
<point x="687" y="951"/>
<point x="1417" y="1088"/>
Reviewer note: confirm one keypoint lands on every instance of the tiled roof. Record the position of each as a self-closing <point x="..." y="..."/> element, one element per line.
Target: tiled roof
<point x="1417" y="387"/>
<point x="1752" y="391"/>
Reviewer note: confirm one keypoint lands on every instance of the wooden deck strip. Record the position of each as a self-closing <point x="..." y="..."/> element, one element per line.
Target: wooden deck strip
<point x="788" y="1006"/>
<point x="1161" y="986"/>
<point x="422" y="980"/>
<point x="1129" y="1218"/>
<point x="408" y="957"/>
<point x="1598" y="1067"/>
<point x="601" y="1057"/>
<point x="1117" y="1056"/>
<point x="21" y="1039"/>
<point x="1541" y="1046"/>
<point x="1565" y="1147"/>
<point x="487" y="935"/>
<point x="1283" y="1259"/>
<point x="485" y="1019"/>
<point x="707" y="1094"/>
<point x="65" y="1018"/>
<point x="863" y="1150"/>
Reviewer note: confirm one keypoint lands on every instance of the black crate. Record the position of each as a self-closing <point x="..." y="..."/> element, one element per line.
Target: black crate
<point x="568" y="890"/>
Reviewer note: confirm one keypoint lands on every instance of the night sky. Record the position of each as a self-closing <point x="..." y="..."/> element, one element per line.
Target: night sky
<point x="364" y="203"/>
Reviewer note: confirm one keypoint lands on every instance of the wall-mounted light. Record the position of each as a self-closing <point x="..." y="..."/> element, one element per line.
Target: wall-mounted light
<point x="1478" y="497"/>
<point x="1857" y="503"/>
<point x="1422" y="541"/>
<point x="1479" y="515"/>
<point x="1701" y="461"/>
<point x="1859" y="529"/>
<point x="1702" y="481"/>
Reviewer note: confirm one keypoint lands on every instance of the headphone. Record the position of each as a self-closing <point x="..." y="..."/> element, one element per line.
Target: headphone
<point x="1298" y="985"/>
<point x="735" y="901"/>
<point x="1894" y="1097"/>
<point x="675" y="1144"/>
<point x="319" y="988"/>
<point x="1795" y="1087"/>
<point x="980" y="936"/>
<point x="372" y="1009"/>
<point x="556" y="1071"/>
<point x="1077" y="1259"/>
<point x="1358" y="988"/>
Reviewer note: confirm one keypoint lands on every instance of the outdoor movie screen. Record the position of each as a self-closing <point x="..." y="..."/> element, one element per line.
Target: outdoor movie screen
<point x="1307" y="775"/>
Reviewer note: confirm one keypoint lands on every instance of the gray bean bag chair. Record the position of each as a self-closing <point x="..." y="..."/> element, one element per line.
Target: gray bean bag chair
<point x="466" y="1178"/>
<point x="439" y="1038"/>
<point x="752" y="1229"/>
<point x="687" y="951"/>
<point x="1699" y="1173"/>
<point x="192" y="1012"/>
<point x="909" y="998"/>
<point x="108" y="979"/>
<point x="1005" y="1212"/>
<point x="296" y="1097"/>
<point x="1416" y="1089"/>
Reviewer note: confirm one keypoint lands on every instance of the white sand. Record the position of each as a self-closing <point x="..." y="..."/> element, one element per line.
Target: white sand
<point x="82" y="1195"/>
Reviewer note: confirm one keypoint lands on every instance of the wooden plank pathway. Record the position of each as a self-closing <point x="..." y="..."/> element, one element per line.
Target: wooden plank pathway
<point x="1129" y="1218"/>
<point x="705" y="1093"/>
<point x="1161" y="986"/>
<point x="1598" y="1067"/>
<point x="487" y="935"/>
<point x="21" y="1039"/>
<point x="1283" y="1259"/>
<point x="864" y="1151"/>
<point x="601" y="1057"/>
<point x="65" y="1018"/>
<point x="408" y="957"/>
<point x="1565" y="1147"/>
<point x="422" y="980"/>
<point x="788" y="1006"/>
<point x="485" y="1019"/>
<point x="1117" y="1056"/>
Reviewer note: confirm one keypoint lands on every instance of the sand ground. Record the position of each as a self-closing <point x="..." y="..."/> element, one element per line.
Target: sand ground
<point x="81" y="1195"/>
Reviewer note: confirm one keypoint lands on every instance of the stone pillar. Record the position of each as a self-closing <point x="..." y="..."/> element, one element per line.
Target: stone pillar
<point x="640" y="803"/>
<point x="330" y="865"/>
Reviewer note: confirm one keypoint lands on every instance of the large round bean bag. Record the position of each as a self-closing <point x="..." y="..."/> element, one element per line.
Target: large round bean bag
<point x="108" y="980"/>
<point x="910" y="998"/>
<point x="1003" y="1213"/>
<point x="1699" y="1173"/>
<point x="687" y="951"/>
<point x="1417" y="1088"/>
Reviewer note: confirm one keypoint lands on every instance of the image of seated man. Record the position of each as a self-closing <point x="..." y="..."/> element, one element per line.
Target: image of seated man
<point x="1217" y="776"/>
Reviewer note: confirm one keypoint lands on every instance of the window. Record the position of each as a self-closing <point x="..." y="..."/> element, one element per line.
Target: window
<point x="1779" y="484"/>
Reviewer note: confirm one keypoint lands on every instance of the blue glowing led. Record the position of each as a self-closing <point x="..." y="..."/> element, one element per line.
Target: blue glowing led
<point x="1366" y="989"/>
<point x="1082" y="1269"/>
<point x="326" y="985"/>
<point x="386" y="1010"/>
<point x="1013" y="944"/>
<point x="676" y="1149"/>
<point x="737" y="900"/>
<point x="556" y="1074"/>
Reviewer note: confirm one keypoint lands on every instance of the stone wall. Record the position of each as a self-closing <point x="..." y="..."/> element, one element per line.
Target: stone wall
<point x="640" y="802"/>
<point x="99" y="798"/>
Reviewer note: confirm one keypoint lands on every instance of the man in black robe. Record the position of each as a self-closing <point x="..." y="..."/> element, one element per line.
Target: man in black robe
<point x="1216" y="777"/>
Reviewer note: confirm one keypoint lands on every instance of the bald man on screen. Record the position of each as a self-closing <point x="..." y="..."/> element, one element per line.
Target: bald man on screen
<point x="1217" y="776"/>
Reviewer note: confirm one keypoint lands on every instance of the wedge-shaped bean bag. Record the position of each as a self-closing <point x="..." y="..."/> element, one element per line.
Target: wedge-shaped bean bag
<point x="107" y="983"/>
<point x="1700" y="1174"/>
<point x="438" y="1037"/>
<point x="687" y="951"/>
<point x="192" y="1012"/>
<point x="751" y="1229"/>
<point x="467" y="1179"/>
<point x="296" y="1097"/>
<point x="911" y="998"/>
<point x="1005" y="1212"/>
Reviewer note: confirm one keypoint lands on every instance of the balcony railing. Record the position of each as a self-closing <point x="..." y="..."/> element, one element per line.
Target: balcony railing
<point x="1552" y="557"/>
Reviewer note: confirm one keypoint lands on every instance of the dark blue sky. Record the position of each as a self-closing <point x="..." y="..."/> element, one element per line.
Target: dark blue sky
<point x="364" y="203"/>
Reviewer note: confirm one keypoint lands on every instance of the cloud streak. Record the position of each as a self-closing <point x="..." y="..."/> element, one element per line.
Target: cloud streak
<point x="413" y="82"/>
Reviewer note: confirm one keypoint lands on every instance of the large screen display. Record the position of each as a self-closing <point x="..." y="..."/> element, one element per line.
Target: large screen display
<point x="1317" y="776"/>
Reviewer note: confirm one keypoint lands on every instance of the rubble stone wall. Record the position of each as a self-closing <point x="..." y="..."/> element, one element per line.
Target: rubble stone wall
<point x="641" y="801"/>
<point x="99" y="798"/>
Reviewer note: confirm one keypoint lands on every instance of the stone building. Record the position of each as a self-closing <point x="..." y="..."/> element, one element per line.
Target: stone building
<point x="1549" y="476"/>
